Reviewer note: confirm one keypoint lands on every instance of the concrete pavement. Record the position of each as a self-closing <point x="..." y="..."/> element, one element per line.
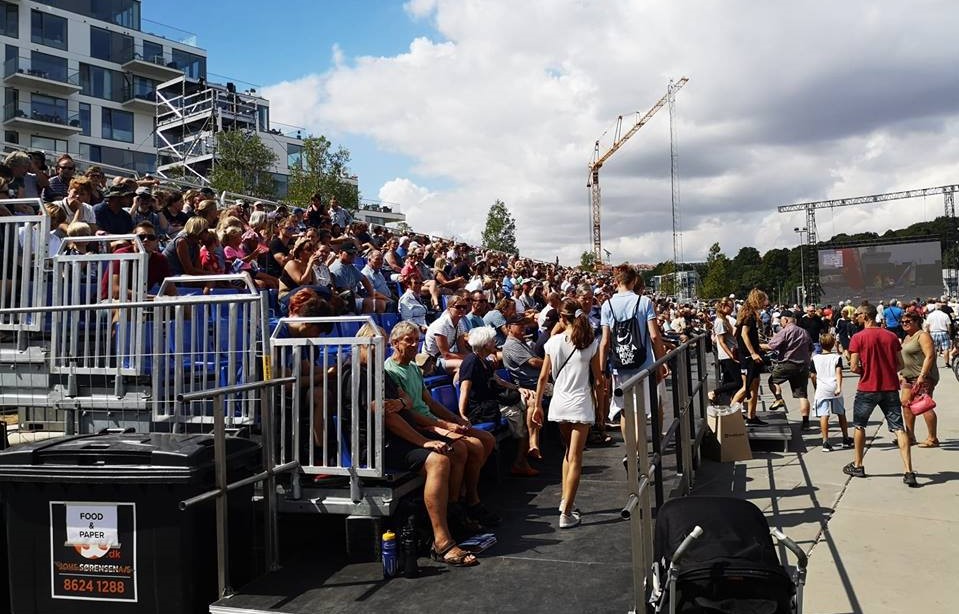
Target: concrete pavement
<point x="875" y="545"/>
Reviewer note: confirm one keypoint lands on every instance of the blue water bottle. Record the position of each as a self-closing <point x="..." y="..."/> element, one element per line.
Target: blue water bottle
<point x="390" y="563"/>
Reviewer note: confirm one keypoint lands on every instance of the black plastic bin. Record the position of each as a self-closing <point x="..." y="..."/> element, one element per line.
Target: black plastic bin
<point x="93" y="523"/>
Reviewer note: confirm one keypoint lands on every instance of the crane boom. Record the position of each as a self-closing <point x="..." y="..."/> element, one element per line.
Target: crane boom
<point x="619" y="138"/>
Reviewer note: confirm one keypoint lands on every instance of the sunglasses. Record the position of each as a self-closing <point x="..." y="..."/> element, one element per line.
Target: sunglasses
<point x="147" y="237"/>
<point x="67" y="168"/>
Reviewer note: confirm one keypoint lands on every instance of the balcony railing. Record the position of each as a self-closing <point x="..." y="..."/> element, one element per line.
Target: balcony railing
<point x="42" y="112"/>
<point x="41" y="69"/>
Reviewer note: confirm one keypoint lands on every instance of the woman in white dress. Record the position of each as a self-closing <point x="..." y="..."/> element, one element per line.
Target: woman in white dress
<point x="570" y="355"/>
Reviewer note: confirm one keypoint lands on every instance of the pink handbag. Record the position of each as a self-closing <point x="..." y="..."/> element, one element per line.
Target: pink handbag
<point x="921" y="401"/>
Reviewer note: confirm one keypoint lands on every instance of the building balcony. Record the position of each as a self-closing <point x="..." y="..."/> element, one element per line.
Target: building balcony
<point x="47" y="118"/>
<point x="145" y="102"/>
<point x="41" y="76"/>
<point x="159" y="67"/>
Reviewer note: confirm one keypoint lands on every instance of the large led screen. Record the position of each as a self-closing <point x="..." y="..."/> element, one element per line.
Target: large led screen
<point x="881" y="272"/>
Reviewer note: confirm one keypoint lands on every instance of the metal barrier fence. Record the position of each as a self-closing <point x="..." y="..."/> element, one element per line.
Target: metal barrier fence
<point x="86" y="272"/>
<point x="323" y="431"/>
<point x="100" y="362"/>
<point x="644" y="467"/>
<point x="23" y="248"/>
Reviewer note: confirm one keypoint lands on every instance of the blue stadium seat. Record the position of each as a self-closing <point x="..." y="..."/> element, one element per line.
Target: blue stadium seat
<point x="446" y="395"/>
<point x="388" y="321"/>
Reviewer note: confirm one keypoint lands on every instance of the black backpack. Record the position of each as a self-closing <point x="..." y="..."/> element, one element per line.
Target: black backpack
<point x="628" y="344"/>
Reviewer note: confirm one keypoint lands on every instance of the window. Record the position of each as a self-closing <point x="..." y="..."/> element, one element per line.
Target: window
<point x="48" y="109"/>
<point x="9" y="20"/>
<point x="153" y="52"/>
<point x="84" y="119"/>
<point x="124" y="13"/>
<point x="140" y="162"/>
<point x="110" y="46"/>
<point x="294" y="156"/>
<point x="102" y="82"/>
<point x="281" y="185"/>
<point x="47" y="29"/>
<point x="48" y="144"/>
<point x="117" y="125"/>
<point x="144" y="89"/>
<point x="11" y="136"/>
<point x="48" y="66"/>
<point x="193" y="65"/>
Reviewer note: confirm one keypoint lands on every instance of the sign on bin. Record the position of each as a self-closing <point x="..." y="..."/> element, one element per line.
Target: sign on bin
<point x="93" y="551"/>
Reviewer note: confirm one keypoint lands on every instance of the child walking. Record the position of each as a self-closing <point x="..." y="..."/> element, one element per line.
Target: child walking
<point x="826" y="374"/>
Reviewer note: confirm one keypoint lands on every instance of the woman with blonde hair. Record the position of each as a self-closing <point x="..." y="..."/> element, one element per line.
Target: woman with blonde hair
<point x="748" y="325"/>
<point x="570" y="358"/>
<point x="183" y="252"/>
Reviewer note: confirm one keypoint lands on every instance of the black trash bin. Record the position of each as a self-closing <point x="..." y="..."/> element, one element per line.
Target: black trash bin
<point x="93" y="523"/>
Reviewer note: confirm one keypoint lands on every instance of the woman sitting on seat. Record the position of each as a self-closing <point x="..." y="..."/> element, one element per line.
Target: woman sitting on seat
<point x="483" y="395"/>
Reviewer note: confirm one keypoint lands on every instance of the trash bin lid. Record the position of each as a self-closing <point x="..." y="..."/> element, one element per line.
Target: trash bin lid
<point x="121" y="456"/>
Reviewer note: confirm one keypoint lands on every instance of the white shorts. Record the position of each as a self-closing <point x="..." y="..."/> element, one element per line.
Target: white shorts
<point x="825" y="407"/>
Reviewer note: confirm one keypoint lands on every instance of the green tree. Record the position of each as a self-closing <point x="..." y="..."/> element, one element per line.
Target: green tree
<point x="402" y="227"/>
<point x="587" y="261"/>
<point x="500" y="231"/>
<point x="716" y="281"/>
<point x="242" y="164"/>
<point x="324" y="169"/>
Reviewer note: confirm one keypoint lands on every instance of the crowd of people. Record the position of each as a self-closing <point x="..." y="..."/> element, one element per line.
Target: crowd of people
<point x="893" y="347"/>
<point x="466" y="312"/>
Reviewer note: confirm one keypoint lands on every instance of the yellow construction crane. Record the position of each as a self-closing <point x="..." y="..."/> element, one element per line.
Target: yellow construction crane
<point x="619" y="138"/>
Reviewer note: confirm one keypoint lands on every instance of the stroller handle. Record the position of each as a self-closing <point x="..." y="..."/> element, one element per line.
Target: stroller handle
<point x="781" y="537"/>
<point x="695" y="534"/>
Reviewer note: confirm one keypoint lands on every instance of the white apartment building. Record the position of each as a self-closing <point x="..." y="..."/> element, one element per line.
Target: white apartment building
<point x="79" y="77"/>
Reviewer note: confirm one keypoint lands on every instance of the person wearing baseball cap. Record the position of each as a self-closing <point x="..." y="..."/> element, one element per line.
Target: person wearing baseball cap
<point x="146" y="209"/>
<point x="112" y="218"/>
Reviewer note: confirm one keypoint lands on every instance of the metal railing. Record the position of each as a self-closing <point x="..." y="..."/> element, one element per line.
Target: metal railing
<point x="268" y="475"/>
<point x="207" y="341"/>
<point x="23" y="248"/>
<point x="83" y="274"/>
<point x="644" y="467"/>
<point x="320" y="432"/>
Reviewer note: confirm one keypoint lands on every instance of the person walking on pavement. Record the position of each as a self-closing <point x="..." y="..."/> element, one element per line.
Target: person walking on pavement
<point x="795" y="351"/>
<point x="875" y="356"/>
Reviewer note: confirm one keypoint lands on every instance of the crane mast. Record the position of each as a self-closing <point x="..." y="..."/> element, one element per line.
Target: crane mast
<point x="600" y="158"/>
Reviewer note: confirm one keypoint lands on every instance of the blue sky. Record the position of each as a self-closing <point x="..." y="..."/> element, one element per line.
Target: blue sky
<point x="250" y="42"/>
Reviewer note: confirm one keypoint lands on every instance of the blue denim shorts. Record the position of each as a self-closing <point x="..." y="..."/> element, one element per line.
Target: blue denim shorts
<point x="887" y="401"/>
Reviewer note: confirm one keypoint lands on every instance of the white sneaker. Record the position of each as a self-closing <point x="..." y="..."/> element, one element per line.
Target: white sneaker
<point x="575" y="512"/>
<point x="568" y="521"/>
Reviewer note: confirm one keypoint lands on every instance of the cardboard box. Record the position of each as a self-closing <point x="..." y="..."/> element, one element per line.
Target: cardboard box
<point x="729" y="427"/>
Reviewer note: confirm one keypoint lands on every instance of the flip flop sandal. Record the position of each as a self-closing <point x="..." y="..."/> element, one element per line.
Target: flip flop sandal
<point x="466" y="559"/>
<point x="930" y="443"/>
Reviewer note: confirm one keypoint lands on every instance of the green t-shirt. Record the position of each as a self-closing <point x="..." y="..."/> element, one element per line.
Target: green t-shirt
<point x="410" y="379"/>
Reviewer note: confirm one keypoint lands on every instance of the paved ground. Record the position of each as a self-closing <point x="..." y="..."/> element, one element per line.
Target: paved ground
<point x="875" y="545"/>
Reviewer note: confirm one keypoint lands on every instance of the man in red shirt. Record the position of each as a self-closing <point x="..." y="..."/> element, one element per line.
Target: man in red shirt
<point x="875" y="356"/>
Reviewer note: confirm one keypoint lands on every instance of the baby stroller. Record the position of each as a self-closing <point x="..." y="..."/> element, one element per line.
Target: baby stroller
<point x="715" y="555"/>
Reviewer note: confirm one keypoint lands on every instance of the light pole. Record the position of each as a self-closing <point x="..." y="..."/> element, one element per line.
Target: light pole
<point x="802" y="261"/>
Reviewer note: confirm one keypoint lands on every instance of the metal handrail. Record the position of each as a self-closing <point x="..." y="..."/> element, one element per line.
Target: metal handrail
<point x="222" y="487"/>
<point x="640" y="468"/>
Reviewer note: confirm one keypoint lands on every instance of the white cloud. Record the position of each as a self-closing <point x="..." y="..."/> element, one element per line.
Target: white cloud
<point x="785" y="103"/>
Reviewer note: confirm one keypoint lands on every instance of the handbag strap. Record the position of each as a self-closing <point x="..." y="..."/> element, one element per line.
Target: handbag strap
<point x="558" y="371"/>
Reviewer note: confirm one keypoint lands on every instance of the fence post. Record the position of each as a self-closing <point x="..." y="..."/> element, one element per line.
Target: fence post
<point x="222" y="532"/>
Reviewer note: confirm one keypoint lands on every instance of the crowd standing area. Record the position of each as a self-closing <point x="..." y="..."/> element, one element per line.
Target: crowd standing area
<point x="485" y="345"/>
